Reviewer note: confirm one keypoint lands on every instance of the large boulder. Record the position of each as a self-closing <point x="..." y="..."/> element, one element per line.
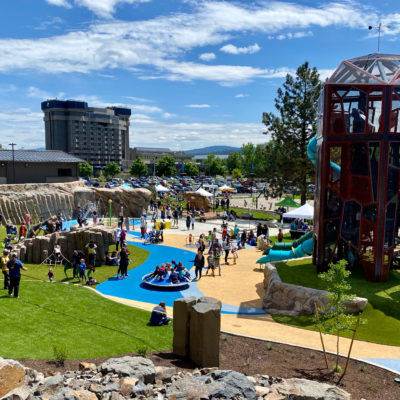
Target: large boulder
<point x="12" y="376"/>
<point x="219" y="384"/>
<point x="303" y="389"/>
<point x="198" y="201"/>
<point x="138" y="367"/>
<point x="288" y="299"/>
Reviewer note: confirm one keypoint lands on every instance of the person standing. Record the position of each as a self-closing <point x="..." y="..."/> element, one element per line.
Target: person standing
<point x="143" y="226"/>
<point x="227" y="249"/>
<point x="27" y="221"/>
<point x="123" y="262"/>
<point x="188" y="220"/>
<point x="199" y="264"/>
<point x="4" y="260"/>
<point x="127" y="224"/>
<point x="91" y="250"/>
<point x="122" y="237"/>
<point x="14" y="266"/>
<point x="217" y="258"/>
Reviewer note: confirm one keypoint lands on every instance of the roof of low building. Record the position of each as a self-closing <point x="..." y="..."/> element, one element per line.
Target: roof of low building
<point x="154" y="149"/>
<point x="38" y="156"/>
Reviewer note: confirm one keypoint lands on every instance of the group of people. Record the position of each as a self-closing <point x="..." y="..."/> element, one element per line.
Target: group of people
<point x="11" y="268"/>
<point x="299" y="224"/>
<point x="175" y="272"/>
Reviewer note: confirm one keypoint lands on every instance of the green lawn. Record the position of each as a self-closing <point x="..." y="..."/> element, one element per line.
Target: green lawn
<point x="382" y="313"/>
<point x="261" y="215"/>
<point x="88" y="325"/>
<point x="102" y="273"/>
<point x="286" y="238"/>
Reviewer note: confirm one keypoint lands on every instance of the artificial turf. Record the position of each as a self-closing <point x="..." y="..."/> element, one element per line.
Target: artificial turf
<point x="381" y="316"/>
<point x="86" y="324"/>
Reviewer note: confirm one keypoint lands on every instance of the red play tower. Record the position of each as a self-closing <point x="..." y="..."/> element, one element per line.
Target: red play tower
<point x="358" y="164"/>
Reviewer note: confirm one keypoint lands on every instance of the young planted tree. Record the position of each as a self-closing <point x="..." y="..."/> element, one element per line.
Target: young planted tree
<point x="112" y="169"/>
<point x="85" y="169"/>
<point x="333" y="318"/>
<point x="296" y="124"/>
<point x="138" y="168"/>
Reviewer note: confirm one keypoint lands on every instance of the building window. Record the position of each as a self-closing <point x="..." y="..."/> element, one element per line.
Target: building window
<point x="64" y="172"/>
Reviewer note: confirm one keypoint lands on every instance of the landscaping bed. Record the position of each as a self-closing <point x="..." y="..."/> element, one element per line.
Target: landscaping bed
<point x="251" y="356"/>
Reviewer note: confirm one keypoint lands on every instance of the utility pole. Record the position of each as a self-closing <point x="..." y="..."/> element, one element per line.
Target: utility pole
<point x="13" y="160"/>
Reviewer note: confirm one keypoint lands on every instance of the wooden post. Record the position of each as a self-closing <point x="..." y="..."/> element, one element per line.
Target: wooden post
<point x="351" y="346"/>
<point x="320" y="335"/>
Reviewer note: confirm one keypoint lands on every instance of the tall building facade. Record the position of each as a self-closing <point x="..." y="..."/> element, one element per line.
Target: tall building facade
<point x="97" y="135"/>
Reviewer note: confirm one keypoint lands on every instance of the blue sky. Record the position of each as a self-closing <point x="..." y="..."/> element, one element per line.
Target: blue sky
<point x="194" y="73"/>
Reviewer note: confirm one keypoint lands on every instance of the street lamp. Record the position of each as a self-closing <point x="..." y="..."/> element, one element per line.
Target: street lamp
<point x="13" y="160"/>
<point x="109" y="209"/>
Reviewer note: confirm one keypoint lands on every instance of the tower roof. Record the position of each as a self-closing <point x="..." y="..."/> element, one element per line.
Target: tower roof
<point x="375" y="68"/>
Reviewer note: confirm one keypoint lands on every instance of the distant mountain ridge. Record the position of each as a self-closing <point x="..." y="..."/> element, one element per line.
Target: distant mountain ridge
<point x="218" y="150"/>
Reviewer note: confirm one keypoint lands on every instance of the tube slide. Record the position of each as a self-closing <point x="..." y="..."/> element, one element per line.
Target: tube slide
<point x="289" y="245"/>
<point x="302" y="250"/>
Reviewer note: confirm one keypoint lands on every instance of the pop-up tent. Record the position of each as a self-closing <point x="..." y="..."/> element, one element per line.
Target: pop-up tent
<point x="161" y="188"/>
<point x="303" y="212"/>
<point x="287" y="202"/>
<point x="225" y="188"/>
<point x="204" y="192"/>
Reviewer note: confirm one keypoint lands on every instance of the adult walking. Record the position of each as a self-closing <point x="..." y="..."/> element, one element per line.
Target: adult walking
<point x="188" y="221"/>
<point x="14" y="267"/>
<point x="4" y="269"/>
<point x="123" y="262"/>
<point x="143" y="227"/>
<point x="199" y="264"/>
<point x="227" y="248"/>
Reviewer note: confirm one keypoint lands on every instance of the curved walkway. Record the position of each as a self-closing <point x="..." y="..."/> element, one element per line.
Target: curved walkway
<point x="240" y="289"/>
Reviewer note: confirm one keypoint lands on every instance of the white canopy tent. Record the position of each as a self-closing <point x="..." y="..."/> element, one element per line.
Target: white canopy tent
<point x="161" y="188"/>
<point x="303" y="212"/>
<point x="204" y="192"/>
<point x="225" y="188"/>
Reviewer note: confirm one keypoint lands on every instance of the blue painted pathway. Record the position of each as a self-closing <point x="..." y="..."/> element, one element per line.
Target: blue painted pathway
<point x="132" y="288"/>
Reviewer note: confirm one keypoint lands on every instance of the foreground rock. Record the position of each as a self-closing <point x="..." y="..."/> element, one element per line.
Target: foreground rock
<point x="136" y="377"/>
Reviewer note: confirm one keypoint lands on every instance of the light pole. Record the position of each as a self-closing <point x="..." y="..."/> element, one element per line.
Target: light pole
<point x="13" y="160"/>
<point x="109" y="208"/>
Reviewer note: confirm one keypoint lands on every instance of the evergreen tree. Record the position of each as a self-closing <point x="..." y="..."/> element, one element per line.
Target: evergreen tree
<point x="295" y="125"/>
<point x="138" y="168"/>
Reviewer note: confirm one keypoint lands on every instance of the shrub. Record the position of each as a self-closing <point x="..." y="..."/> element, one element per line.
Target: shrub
<point x="60" y="353"/>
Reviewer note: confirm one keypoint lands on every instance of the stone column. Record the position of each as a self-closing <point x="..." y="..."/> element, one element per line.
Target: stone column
<point x="204" y="331"/>
<point x="181" y="315"/>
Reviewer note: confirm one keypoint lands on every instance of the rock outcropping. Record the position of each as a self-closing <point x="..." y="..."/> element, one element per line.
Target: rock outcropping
<point x="138" y="378"/>
<point x="198" y="201"/>
<point x="42" y="200"/>
<point x="37" y="249"/>
<point x="287" y="299"/>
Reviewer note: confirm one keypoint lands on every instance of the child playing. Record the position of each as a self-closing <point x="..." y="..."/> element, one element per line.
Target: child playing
<point x="82" y="270"/>
<point x="210" y="262"/>
<point x="50" y="274"/>
<point x="235" y="254"/>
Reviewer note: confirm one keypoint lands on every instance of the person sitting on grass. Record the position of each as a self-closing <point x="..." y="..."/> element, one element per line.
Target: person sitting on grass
<point x="22" y="231"/>
<point x="112" y="260"/>
<point x="91" y="281"/>
<point x="50" y="274"/>
<point x="82" y="270"/>
<point x="7" y="243"/>
<point x="159" y="315"/>
<point x="173" y="276"/>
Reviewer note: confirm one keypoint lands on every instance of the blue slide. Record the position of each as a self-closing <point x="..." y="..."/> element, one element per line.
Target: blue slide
<point x="305" y="248"/>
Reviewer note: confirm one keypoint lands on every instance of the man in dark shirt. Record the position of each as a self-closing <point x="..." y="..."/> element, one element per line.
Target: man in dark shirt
<point x="159" y="315"/>
<point x="199" y="264"/>
<point x="14" y="267"/>
<point x="77" y="255"/>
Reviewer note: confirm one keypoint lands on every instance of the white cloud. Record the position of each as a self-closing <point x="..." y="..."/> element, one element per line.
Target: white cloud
<point x="140" y="99"/>
<point x="145" y="108"/>
<point x="241" y="95"/>
<point x="198" y="105"/>
<point x="102" y="8"/>
<point x="60" y="3"/>
<point x="207" y="56"/>
<point x="290" y="35"/>
<point x="159" y="46"/>
<point x="55" y="22"/>
<point x="105" y="8"/>
<point x="232" y="49"/>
